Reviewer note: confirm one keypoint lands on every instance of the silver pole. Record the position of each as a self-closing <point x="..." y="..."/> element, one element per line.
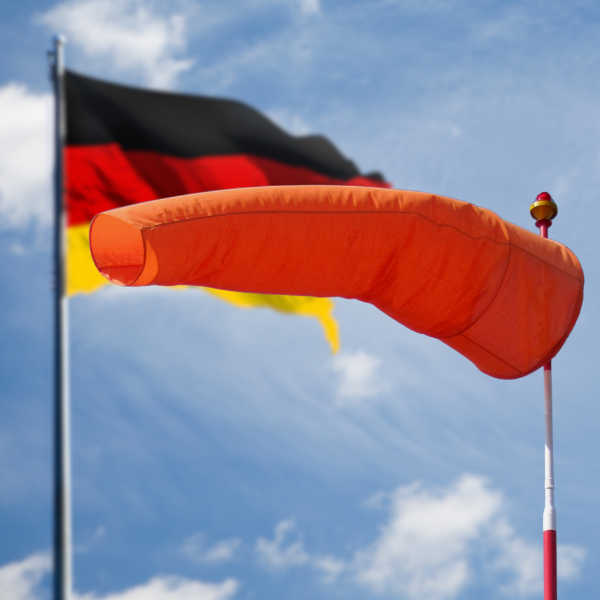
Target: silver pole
<point x="62" y="449"/>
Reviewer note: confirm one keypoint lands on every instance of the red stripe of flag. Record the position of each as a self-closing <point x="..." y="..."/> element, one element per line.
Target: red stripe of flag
<point x="103" y="177"/>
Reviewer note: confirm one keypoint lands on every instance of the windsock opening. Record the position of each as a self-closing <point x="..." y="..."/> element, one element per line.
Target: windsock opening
<point x="118" y="249"/>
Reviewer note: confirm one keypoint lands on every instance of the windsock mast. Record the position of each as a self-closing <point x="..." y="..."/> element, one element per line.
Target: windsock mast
<point x="543" y="210"/>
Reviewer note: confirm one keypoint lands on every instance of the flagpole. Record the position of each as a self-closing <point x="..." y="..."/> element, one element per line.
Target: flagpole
<point x="544" y="209"/>
<point x="62" y="451"/>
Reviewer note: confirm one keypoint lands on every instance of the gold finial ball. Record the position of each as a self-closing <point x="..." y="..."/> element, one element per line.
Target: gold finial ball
<point x="544" y="208"/>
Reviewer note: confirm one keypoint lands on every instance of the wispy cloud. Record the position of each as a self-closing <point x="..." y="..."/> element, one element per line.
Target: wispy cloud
<point x="284" y="552"/>
<point x="172" y="588"/>
<point x="277" y="554"/>
<point x="290" y="122"/>
<point x="358" y="377"/>
<point x="132" y="34"/>
<point x="196" y="550"/>
<point x="309" y="7"/>
<point x="330" y="567"/>
<point x="25" y="157"/>
<point x="97" y="536"/>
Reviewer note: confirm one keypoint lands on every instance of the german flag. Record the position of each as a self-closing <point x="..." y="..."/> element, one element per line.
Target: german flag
<point x="127" y="145"/>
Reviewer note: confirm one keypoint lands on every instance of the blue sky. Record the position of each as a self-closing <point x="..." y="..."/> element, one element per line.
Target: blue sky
<point x="224" y="454"/>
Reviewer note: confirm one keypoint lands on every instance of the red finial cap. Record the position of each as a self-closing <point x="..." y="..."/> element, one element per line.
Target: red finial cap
<point x="544" y="208"/>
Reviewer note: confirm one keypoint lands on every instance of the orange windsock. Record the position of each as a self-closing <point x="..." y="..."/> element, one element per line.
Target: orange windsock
<point x="503" y="297"/>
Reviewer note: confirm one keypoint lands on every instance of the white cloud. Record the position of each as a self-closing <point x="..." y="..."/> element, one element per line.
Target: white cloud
<point x="20" y="580"/>
<point x="172" y="588"/>
<point x="274" y="555"/>
<point x="569" y="561"/>
<point x="132" y="34"/>
<point x="25" y="156"/>
<point x="194" y="548"/>
<point x="427" y="548"/>
<point x="422" y="551"/>
<point x="524" y="560"/>
<point x="520" y="558"/>
<point x="434" y="544"/>
<point x="358" y="376"/>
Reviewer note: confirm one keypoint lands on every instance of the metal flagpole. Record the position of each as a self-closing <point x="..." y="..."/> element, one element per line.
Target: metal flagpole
<point x="62" y="451"/>
<point x="544" y="209"/>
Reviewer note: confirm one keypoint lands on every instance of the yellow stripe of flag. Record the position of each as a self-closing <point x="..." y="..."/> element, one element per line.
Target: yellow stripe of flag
<point x="82" y="276"/>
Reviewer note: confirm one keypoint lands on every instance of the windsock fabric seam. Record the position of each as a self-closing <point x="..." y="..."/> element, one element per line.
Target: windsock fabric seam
<point x="541" y="363"/>
<point x="486" y="351"/>
<point x="485" y="310"/>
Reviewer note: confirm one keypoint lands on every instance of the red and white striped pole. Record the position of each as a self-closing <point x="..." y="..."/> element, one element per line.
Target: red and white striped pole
<point x="543" y="210"/>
